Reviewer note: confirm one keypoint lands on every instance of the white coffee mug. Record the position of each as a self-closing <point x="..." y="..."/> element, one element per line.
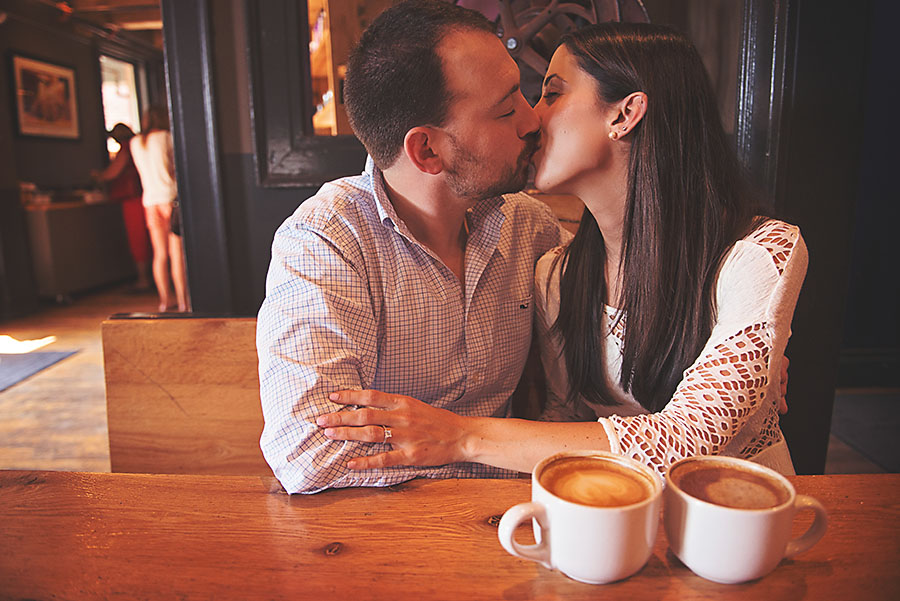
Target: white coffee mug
<point x="589" y="543"/>
<point x="731" y="544"/>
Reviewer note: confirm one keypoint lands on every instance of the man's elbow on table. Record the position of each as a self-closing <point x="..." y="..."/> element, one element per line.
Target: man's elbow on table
<point x="322" y="467"/>
<point x="302" y="459"/>
<point x="306" y="472"/>
<point x="313" y="463"/>
<point x="298" y="482"/>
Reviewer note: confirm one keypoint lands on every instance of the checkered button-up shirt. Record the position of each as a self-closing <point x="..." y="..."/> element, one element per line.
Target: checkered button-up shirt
<point x="353" y="301"/>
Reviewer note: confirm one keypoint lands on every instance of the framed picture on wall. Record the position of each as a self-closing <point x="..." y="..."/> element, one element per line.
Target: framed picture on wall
<point x="46" y="102"/>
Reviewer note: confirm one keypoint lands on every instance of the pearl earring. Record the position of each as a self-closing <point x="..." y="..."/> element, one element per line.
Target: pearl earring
<point x="613" y="135"/>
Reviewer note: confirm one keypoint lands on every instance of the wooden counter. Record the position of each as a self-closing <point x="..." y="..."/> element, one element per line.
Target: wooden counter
<point x="76" y="246"/>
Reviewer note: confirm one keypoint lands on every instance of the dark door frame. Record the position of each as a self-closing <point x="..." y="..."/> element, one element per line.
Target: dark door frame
<point x="190" y="79"/>
<point x="286" y="153"/>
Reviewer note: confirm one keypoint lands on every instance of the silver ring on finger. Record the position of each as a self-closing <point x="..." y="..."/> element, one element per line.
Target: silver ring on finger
<point x="387" y="435"/>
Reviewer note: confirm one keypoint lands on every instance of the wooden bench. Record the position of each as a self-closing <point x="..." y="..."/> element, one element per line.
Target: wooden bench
<point x="182" y="395"/>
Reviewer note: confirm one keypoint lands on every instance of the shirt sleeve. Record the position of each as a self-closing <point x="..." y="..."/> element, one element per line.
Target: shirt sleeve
<point x="758" y="287"/>
<point x="316" y="334"/>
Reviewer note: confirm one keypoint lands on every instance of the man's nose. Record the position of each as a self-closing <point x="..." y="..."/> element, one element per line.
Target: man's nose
<point x="529" y="122"/>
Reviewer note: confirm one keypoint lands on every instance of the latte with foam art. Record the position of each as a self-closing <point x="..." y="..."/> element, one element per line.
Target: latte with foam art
<point x="595" y="481"/>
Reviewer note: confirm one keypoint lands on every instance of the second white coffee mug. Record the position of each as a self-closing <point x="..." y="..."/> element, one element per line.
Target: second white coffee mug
<point x="604" y="531"/>
<point x="729" y="520"/>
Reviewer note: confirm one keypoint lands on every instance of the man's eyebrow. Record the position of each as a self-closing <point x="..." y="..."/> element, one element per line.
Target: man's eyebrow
<point x="512" y="91"/>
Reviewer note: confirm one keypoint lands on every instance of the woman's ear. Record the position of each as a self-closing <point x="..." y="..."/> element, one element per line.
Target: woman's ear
<point x="420" y="148"/>
<point x="631" y="110"/>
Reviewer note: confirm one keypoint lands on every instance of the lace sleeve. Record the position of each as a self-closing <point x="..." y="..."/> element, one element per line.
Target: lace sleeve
<point x="757" y="290"/>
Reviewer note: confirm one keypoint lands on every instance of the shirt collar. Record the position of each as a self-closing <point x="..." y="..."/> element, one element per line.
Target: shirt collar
<point x="478" y="215"/>
<point x="386" y="213"/>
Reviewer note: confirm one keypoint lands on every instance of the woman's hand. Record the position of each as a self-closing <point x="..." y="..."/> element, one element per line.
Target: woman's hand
<point x="420" y="434"/>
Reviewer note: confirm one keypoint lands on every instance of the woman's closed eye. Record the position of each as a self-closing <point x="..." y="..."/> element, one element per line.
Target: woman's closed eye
<point x="548" y="97"/>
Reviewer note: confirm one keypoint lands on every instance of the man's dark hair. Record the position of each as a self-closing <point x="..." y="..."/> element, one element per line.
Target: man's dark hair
<point x="395" y="80"/>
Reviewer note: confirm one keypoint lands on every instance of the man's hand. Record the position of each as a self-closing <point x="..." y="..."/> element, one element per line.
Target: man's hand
<point x="420" y="434"/>
<point x="782" y="400"/>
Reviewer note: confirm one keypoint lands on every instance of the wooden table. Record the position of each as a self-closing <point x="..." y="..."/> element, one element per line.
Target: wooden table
<point x="70" y="535"/>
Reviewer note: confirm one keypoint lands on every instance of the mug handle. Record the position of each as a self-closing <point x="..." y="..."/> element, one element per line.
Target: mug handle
<point x="514" y="516"/>
<point x="815" y="531"/>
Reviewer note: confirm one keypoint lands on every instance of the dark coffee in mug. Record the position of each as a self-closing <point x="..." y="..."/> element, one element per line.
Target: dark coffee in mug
<point x="728" y="485"/>
<point x="595" y="481"/>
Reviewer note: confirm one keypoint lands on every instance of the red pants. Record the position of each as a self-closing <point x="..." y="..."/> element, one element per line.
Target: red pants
<point x="136" y="227"/>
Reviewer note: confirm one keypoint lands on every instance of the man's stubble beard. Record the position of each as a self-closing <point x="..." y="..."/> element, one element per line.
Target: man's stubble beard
<point x="513" y="179"/>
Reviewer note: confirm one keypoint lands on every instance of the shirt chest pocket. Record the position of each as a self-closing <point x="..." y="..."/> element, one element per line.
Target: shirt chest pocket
<point x="512" y="326"/>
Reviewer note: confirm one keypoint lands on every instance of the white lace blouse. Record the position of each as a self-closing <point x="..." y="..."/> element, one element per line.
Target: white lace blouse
<point x="725" y="403"/>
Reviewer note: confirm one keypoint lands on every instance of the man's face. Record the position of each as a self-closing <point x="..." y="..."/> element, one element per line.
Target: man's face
<point x="492" y="130"/>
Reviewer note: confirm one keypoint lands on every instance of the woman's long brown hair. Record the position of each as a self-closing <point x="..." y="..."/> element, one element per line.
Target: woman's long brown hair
<point x="154" y="118"/>
<point x="686" y="205"/>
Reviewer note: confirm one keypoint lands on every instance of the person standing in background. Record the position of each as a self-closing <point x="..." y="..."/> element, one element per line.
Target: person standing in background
<point x="124" y="185"/>
<point x="151" y="151"/>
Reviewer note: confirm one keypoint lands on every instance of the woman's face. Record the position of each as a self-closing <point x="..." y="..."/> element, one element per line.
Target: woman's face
<point x="575" y="148"/>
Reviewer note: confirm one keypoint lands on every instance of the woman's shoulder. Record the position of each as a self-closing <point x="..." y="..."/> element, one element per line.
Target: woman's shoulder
<point x="776" y="240"/>
<point x="546" y="280"/>
<point x="550" y="263"/>
<point x="774" y="234"/>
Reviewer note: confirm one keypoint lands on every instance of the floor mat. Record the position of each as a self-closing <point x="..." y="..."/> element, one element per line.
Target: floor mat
<point x="869" y="423"/>
<point x="15" y="368"/>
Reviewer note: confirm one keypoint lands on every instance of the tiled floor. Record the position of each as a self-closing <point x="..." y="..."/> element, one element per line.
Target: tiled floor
<point x="57" y="419"/>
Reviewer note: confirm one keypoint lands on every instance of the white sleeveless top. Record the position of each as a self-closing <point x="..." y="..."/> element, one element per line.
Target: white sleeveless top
<point x="725" y="403"/>
<point x="154" y="160"/>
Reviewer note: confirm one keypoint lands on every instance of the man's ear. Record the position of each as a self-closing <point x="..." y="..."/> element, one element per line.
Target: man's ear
<point x="631" y="110"/>
<point x="419" y="146"/>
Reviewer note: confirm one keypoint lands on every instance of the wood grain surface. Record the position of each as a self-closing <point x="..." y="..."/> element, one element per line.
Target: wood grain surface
<point x="182" y="396"/>
<point x="67" y="535"/>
